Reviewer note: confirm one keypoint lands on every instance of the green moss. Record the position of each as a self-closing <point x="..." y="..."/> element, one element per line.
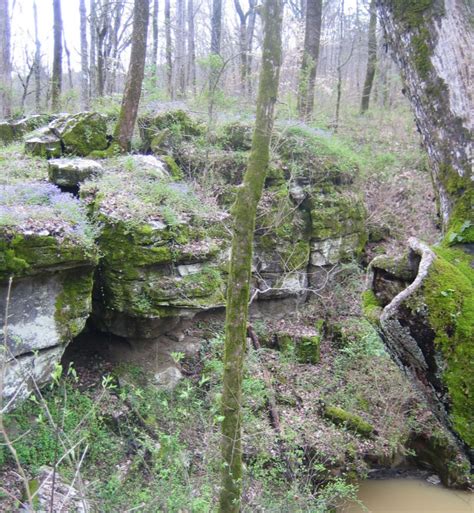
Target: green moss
<point x="449" y="296"/>
<point x="24" y="255"/>
<point x="173" y="168"/>
<point x="336" y="214"/>
<point x="371" y="306"/>
<point x="82" y="133"/>
<point x="308" y="349"/>
<point x="422" y="53"/>
<point x="350" y="420"/>
<point x="411" y="12"/>
<point x="74" y="303"/>
<point x="172" y="126"/>
<point x="397" y="266"/>
<point x="461" y="222"/>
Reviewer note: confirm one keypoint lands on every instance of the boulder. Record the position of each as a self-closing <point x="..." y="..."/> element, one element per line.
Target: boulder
<point x="70" y="172"/>
<point x="44" y="143"/>
<point x="81" y="133"/>
<point x="47" y="258"/>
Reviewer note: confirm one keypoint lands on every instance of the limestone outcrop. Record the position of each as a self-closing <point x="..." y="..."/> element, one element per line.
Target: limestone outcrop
<point x="160" y="246"/>
<point x="47" y="258"/>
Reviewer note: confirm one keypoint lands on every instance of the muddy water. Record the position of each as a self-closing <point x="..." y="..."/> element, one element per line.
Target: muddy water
<point x="409" y="496"/>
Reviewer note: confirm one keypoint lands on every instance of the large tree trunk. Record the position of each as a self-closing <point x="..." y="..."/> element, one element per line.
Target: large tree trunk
<point x="169" y="51"/>
<point x="136" y="71"/>
<point x="56" y="80"/>
<point x="314" y="10"/>
<point x="432" y="43"/>
<point x="5" y="60"/>
<point x="372" y="58"/>
<point x="84" y="56"/>
<point x="244" y="212"/>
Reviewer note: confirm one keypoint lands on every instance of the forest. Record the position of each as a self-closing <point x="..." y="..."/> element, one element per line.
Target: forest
<point x="236" y="256"/>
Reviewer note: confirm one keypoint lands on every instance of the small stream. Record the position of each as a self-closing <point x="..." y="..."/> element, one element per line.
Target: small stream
<point x="409" y="496"/>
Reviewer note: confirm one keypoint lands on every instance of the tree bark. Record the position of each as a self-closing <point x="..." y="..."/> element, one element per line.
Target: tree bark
<point x="5" y="60"/>
<point x="56" y="80"/>
<point x="169" y="51"/>
<point x="216" y="27"/>
<point x="154" y="57"/>
<point x="180" y="48"/>
<point x="244" y="213"/>
<point x="314" y="10"/>
<point x="37" y="61"/>
<point x="432" y="43"/>
<point x="93" y="50"/>
<point x="136" y="71"/>
<point x="84" y="56"/>
<point x="191" y="47"/>
<point x="372" y="58"/>
<point x="339" y="65"/>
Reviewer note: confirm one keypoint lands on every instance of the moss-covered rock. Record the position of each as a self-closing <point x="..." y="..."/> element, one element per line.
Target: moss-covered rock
<point x="70" y="172"/>
<point x="236" y="136"/>
<point x="44" y="143"/>
<point x="81" y="133"/>
<point x="159" y="244"/>
<point x="304" y="344"/>
<point x="47" y="259"/>
<point x="164" y="129"/>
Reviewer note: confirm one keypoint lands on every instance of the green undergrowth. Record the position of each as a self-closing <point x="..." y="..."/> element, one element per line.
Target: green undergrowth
<point x="157" y="450"/>
<point x="16" y="167"/>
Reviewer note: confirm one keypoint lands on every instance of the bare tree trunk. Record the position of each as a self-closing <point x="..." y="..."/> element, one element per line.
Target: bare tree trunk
<point x="339" y="66"/>
<point x="154" y="57"/>
<point x="68" y="60"/>
<point x="169" y="50"/>
<point x="191" y="47"/>
<point x="84" y="56"/>
<point x="372" y="58"/>
<point x="312" y="37"/>
<point x="56" y="80"/>
<point x="242" y="45"/>
<point x="250" y="37"/>
<point x="136" y="71"/>
<point x="5" y="60"/>
<point x="101" y="35"/>
<point x="180" y="48"/>
<point x="244" y="213"/>
<point x="432" y="43"/>
<point x="37" y="61"/>
<point x="93" y="50"/>
<point x="216" y="27"/>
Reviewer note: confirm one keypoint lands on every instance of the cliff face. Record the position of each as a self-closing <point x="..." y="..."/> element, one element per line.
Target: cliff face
<point x="160" y="227"/>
